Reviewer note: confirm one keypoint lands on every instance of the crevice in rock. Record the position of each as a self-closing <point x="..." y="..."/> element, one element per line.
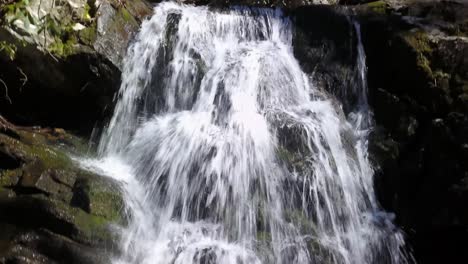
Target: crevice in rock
<point x="9" y="161"/>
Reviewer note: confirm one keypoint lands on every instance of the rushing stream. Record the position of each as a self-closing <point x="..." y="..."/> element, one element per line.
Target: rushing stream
<point x="229" y="154"/>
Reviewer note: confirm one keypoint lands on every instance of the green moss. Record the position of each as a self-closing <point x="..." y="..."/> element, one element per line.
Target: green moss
<point x="86" y="14"/>
<point x="88" y="35"/>
<point x="379" y="7"/>
<point x="419" y="41"/>
<point x="69" y="46"/>
<point x="10" y="177"/>
<point x="87" y="227"/>
<point x="76" y="145"/>
<point x="126" y="15"/>
<point x="123" y="18"/>
<point x="62" y="48"/>
<point x="51" y="147"/>
<point x="8" y="49"/>
<point x="52" y="158"/>
<point x="35" y="148"/>
<point x="40" y="155"/>
<point x="15" y="10"/>
<point x="105" y="199"/>
<point x="424" y="64"/>
<point x="94" y="228"/>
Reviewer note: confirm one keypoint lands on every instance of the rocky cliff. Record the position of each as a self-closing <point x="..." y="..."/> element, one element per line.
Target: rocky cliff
<point x="417" y="58"/>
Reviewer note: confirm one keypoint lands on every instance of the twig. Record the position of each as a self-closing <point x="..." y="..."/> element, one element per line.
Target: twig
<point x="44" y="22"/>
<point x="84" y="87"/>
<point x="53" y="57"/>
<point x="6" y="91"/>
<point x="24" y="80"/>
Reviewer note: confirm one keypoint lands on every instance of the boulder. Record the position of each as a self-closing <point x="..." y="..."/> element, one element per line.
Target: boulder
<point x="52" y="210"/>
<point x="60" y="61"/>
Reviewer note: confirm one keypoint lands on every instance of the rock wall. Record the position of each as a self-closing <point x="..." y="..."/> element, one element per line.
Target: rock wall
<point x="52" y="211"/>
<point x="417" y="59"/>
<point x="63" y="68"/>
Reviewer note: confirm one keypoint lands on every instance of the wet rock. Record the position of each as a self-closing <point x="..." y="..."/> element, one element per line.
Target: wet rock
<point x="417" y="61"/>
<point x="54" y="211"/>
<point x="43" y="246"/>
<point x="325" y="44"/>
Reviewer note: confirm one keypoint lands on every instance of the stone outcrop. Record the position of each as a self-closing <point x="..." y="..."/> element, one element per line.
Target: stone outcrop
<point x="417" y="57"/>
<point x="60" y="61"/>
<point x="51" y="210"/>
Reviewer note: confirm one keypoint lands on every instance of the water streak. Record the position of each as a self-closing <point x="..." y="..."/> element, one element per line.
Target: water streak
<point x="231" y="155"/>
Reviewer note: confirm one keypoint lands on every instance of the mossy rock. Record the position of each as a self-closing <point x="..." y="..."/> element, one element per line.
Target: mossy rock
<point x="35" y="148"/>
<point x="86" y="228"/>
<point x="88" y="35"/>
<point x="49" y="186"/>
<point x="99" y="196"/>
<point x="379" y="7"/>
<point x="421" y="45"/>
<point x="419" y="40"/>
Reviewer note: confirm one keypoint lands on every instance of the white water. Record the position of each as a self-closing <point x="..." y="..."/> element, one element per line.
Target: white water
<point x="229" y="153"/>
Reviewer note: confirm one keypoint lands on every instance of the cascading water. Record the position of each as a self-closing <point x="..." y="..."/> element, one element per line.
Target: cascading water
<point x="229" y="153"/>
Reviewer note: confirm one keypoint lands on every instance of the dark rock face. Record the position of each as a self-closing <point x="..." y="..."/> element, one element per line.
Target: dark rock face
<point x="325" y="45"/>
<point x="418" y="65"/>
<point x="67" y="74"/>
<point x="417" y="76"/>
<point x="51" y="211"/>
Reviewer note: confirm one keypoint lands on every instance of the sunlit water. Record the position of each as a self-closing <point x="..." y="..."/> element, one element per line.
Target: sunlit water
<point x="229" y="154"/>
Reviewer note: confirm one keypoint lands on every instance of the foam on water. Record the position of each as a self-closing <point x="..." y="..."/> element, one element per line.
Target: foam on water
<point x="229" y="154"/>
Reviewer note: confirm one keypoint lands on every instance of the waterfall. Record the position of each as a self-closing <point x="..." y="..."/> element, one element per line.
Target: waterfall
<point x="229" y="154"/>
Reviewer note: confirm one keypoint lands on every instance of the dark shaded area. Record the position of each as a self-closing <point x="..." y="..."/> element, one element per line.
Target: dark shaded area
<point x="325" y="44"/>
<point x="74" y="93"/>
<point x="417" y="58"/>
<point x="418" y="79"/>
<point x="8" y="160"/>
